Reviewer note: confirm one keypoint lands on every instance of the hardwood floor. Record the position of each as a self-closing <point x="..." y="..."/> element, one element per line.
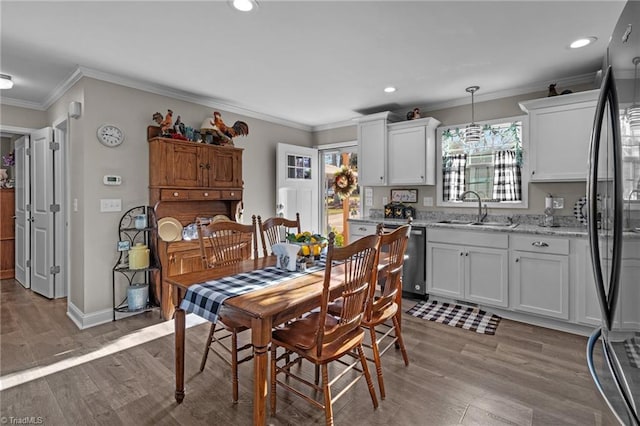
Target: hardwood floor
<point x="121" y="373"/>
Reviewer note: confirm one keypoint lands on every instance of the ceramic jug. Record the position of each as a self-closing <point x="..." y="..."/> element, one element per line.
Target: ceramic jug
<point x="139" y="256"/>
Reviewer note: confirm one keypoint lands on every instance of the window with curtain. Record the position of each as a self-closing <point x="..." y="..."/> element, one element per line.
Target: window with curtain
<point x="492" y="167"/>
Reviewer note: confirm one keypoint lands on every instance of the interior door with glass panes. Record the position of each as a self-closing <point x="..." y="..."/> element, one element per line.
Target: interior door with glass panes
<point x="297" y="185"/>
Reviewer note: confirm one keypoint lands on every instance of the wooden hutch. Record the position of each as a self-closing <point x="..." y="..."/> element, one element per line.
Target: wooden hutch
<point x="189" y="180"/>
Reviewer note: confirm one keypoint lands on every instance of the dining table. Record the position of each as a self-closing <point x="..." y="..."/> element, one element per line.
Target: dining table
<point x="260" y="310"/>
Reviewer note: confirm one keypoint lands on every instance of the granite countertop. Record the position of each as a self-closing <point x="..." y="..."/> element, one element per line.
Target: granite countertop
<point x="520" y="228"/>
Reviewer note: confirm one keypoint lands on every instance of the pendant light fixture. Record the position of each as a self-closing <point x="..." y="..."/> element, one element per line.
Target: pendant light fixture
<point x="472" y="131"/>
<point x="633" y="112"/>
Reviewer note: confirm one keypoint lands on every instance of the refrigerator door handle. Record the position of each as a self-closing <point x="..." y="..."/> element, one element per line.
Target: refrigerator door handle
<point x="608" y="95"/>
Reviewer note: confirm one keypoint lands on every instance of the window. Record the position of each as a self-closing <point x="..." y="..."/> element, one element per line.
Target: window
<point x="493" y="167"/>
<point x="298" y="167"/>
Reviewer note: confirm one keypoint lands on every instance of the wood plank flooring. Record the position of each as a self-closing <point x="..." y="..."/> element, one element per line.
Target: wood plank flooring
<point x="121" y="373"/>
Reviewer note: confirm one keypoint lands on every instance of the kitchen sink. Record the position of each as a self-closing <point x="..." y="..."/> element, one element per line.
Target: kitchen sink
<point x="498" y="224"/>
<point x="455" y="222"/>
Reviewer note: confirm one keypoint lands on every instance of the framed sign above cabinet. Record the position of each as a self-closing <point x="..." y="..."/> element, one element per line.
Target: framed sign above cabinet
<point x="404" y="195"/>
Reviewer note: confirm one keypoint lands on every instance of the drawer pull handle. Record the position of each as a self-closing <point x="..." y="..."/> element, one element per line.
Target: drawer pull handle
<point x="233" y="194"/>
<point x="206" y="194"/>
<point x="539" y="244"/>
<point x="362" y="228"/>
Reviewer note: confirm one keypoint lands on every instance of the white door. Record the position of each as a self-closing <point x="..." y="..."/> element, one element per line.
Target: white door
<point x="43" y="210"/>
<point x="23" y="216"/>
<point x="297" y="185"/>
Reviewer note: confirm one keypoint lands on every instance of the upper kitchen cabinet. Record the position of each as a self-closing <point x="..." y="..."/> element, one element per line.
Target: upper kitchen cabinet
<point x="372" y="149"/>
<point x="559" y="135"/>
<point x="412" y="152"/>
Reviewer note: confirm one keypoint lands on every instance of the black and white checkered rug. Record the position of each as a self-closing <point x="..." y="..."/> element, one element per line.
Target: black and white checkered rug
<point x="456" y="316"/>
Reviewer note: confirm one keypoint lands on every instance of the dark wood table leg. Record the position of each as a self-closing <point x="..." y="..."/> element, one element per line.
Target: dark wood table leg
<point x="260" y="338"/>
<point x="179" y="319"/>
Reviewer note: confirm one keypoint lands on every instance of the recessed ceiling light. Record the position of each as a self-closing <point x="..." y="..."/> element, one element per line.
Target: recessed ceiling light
<point x="6" y="82"/>
<point x="582" y="42"/>
<point x="389" y="89"/>
<point x="244" y="5"/>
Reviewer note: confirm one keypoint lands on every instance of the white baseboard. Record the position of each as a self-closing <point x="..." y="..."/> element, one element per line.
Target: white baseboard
<point x="82" y="320"/>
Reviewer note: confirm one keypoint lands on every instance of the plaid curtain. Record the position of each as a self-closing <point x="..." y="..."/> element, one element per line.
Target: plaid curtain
<point x="453" y="176"/>
<point x="507" y="181"/>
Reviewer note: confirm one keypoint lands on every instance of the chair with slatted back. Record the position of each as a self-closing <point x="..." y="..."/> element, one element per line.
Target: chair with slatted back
<point x="226" y="243"/>
<point x="321" y="338"/>
<point x="383" y="315"/>
<point x="275" y="229"/>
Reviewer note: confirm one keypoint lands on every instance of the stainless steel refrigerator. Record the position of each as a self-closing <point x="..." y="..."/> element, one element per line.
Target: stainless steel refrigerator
<point x="613" y="188"/>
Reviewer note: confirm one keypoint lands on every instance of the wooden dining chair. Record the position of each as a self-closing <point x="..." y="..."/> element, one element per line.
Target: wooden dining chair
<point x="274" y="230"/>
<point x="226" y="243"/>
<point x="383" y="314"/>
<point x="321" y="338"/>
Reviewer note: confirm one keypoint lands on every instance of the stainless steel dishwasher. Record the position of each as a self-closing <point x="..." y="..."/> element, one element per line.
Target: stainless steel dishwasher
<point x="414" y="273"/>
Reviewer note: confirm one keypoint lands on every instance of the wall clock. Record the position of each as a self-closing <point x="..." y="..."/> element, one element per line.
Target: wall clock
<point x="110" y="135"/>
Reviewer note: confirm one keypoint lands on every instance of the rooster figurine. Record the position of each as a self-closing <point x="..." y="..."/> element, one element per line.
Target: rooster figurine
<point x="225" y="132"/>
<point x="165" y="125"/>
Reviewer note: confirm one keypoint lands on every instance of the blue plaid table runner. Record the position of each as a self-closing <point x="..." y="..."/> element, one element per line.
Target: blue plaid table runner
<point x="206" y="299"/>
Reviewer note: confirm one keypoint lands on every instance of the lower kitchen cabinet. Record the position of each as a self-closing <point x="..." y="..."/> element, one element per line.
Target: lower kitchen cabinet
<point x="470" y="266"/>
<point x="540" y="275"/>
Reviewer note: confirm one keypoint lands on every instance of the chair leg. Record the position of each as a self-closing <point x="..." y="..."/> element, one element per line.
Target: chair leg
<point x="367" y="376"/>
<point x="273" y="379"/>
<point x="328" y="408"/>
<point x="212" y="330"/>
<point x="376" y="360"/>
<point x="400" y="341"/>
<point x="234" y="365"/>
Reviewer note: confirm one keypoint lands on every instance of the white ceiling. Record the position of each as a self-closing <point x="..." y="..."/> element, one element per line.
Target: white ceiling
<point x="310" y="63"/>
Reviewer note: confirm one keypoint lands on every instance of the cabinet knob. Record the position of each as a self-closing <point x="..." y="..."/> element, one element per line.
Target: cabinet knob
<point x="421" y="177"/>
<point x="206" y="194"/>
<point x="466" y="254"/>
<point x="233" y="193"/>
<point x="517" y="259"/>
<point x="208" y="166"/>
<point x="175" y="194"/>
<point x="461" y="254"/>
<point x="533" y="172"/>
<point x="381" y="178"/>
<point x="202" y="165"/>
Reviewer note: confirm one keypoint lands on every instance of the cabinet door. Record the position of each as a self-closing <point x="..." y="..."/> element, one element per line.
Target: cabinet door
<point x="372" y="147"/>
<point x="540" y="283"/>
<point x="223" y="168"/>
<point x="184" y="166"/>
<point x="184" y="261"/>
<point x="445" y="276"/>
<point x="359" y="230"/>
<point x="486" y="272"/>
<point x="407" y="156"/>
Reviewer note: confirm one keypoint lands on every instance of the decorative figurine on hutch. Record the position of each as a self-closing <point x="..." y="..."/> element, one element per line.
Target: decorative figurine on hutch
<point x="164" y="123"/>
<point x="414" y="114"/>
<point x="221" y="134"/>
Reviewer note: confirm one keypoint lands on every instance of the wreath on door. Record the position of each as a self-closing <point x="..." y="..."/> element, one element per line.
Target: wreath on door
<point x="344" y="182"/>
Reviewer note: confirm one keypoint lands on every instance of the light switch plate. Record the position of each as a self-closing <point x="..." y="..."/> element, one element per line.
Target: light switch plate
<point x="110" y="205"/>
<point x="385" y="201"/>
<point x="558" y="203"/>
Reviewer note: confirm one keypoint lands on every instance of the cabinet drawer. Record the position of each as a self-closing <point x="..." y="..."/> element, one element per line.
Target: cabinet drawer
<point x="174" y="194"/>
<point x="362" y="229"/>
<point x="204" y="194"/>
<point x="540" y="244"/>
<point x="231" y="195"/>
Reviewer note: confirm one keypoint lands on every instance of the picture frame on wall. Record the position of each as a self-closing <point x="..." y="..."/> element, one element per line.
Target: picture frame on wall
<point x="404" y="195"/>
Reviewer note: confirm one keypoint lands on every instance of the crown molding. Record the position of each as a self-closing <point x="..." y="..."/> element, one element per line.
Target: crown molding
<point x="185" y="96"/>
<point x="21" y="104"/>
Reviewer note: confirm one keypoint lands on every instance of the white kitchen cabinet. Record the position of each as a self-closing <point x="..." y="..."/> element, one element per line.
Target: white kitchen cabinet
<point x="467" y="265"/>
<point x="627" y="316"/>
<point x="412" y="152"/>
<point x="372" y="149"/>
<point x="539" y="275"/>
<point x="359" y="230"/>
<point x="559" y="135"/>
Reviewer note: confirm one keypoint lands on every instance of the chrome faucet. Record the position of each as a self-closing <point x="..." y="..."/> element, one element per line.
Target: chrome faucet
<point x="481" y="216"/>
<point x="634" y="191"/>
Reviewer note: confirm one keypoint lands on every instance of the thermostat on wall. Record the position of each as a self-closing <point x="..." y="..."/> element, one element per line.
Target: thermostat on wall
<point x="111" y="180"/>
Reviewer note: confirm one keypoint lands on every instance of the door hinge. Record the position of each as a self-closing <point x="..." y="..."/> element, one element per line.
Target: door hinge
<point x="28" y="263"/>
<point x="54" y="208"/>
<point x="27" y="207"/>
<point x="54" y="270"/>
<point x="54" y="146"/>
<point x="27" y="151"/>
